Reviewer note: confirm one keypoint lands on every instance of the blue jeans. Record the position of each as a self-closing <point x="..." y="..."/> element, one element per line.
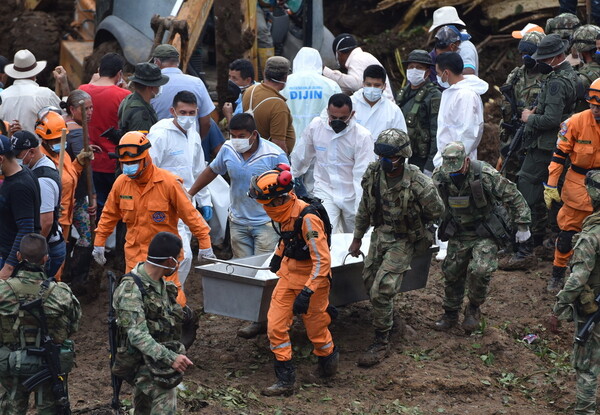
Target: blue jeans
<point x="57" y="253"/>
<point x="252" y="240"/>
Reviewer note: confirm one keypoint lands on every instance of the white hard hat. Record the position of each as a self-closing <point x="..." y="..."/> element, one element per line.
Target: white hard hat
<point x="444" y="16"/>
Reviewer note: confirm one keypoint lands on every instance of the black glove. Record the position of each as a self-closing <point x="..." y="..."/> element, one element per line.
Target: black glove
<point x="275" y="263"/>
<point x="302" y="300"/>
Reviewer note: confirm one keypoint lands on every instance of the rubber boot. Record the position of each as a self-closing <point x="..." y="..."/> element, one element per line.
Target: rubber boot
<point x="523" y="259"/>
<point x="252" y="330"/>
<point x="189" y="327"/>
<point x="472" y="317"/>
<point x="557" y="280"/>
<point x="80" y="269"/>
<point x="328" y="365"/>
<point x="377" y="351"/>
<point x="286" y="379"/>
<point x="448" y="320"/>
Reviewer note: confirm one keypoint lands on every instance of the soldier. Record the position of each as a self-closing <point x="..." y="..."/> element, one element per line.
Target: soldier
<point x="22" y="331"/>
<point x="576" y="300"/>
<point x="420" y="103"/>
<point x="151" y="357"/>
<point x="564" y="25"/>
<point x="399" y="203"/>
<point x="135" y="111"/>
<point x="525" y="83"/>
<point x="578" y="140"/>
<point x="471" y="190"/>
<point x="584" y="42"/>
<point x="555" y="104"/>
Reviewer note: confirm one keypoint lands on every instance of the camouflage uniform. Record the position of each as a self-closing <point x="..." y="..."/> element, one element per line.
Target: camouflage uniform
<point x="145" y="321"/>
<point x="63" y="313"/>
<point x="472" y="258"/>
<point x="584" y="40"/>
<point x="135" y="114"/>
<point x="570" y="303"/>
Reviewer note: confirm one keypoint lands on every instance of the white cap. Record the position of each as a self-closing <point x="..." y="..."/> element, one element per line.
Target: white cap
<point x="444" y="16"/>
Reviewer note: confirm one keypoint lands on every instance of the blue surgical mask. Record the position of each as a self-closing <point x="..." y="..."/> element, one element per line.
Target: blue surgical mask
<point x="56" y="147"/>
<point x="596" y="57"/>
<point x="131" y="169"/>
<point x="372" y="94"/>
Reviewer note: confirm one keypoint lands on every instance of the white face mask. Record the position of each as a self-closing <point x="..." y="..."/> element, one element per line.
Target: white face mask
<point x="186" y="121"/>
<point x="442" y="83"/>
<point x="241" y="145"/>
<point x="160" y="89"/>
<point x="372" y="94"/>
<point x="415" y="76"/>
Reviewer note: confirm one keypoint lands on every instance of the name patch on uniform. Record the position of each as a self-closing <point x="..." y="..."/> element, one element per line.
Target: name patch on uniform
<point x="126" y="197"/>
<point x="311" y="234"/>
<point x="159" y="217"/>
<point x="176" y="153"/>
<point x="320" y="148"/>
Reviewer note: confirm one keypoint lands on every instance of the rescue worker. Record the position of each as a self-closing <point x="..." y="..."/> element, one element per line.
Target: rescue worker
<point x="149" y="322"/>
<point x="525" y="84"/>
<point x="147" y="199"/>
<point x="23" y="331"/>
<point x="176" y="147"/>
<point x="471" y="189"/>
<point x="555" y="104"/>
<point x="135" y="111"/>
<point x="579" y="140"/>
<point x="304" y="279"/>
<point x="419" y="101"/>
<point x="371" y="111"/>
<point x="576" y="301"/>
<point x="399" y="202"/>
<point x="584" y="43"/>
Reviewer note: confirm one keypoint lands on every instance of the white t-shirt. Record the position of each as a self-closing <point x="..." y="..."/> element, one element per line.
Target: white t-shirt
<point x="49" y="191"/>
<point x="468" y="53"/>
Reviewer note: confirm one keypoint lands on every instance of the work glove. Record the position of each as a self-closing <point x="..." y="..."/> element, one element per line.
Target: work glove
<point x="206" y="212"/>
<point x="98" y="254"/>
<point x="588" y="300"/>
<point x="84" y="156"/>
<point x="205" y="253"/>
<point x="550" y="195"/>
<point x="302" y="300"/>
<point x="275" y="263"/>
<point x="523" y="234"/>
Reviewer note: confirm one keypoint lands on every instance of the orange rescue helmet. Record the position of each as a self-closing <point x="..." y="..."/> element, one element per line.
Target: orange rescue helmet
<point x="593" y="93"/>
<point x="49" y="127"/>
<point x="133" y="146"/>
<point x="271" y="184"/>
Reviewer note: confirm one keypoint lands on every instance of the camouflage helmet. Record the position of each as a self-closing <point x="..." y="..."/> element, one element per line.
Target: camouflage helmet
<point x="162" y="373"/>
<point x="453" y="157"/>
<point x="393" y="142"/>
<point x="564" y="24"/>
<point x="592" y="184"/>
<point x="528" y="44"/>
<point x="584" y="38"/>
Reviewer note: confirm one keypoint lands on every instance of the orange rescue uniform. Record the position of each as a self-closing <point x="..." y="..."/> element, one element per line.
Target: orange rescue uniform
<point x="294" y="275"/>
<point x="579" y="139"/>
<point x="148" y="207"/>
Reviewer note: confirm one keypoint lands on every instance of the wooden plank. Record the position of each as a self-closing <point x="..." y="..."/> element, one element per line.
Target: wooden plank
<point x="507" y="8"/>
<point x="195" y="13"/>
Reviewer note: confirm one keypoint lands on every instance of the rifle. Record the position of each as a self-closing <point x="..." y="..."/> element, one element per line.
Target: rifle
<point x="116" y="381"/>
<point x="50" y="353"/>
<point x="584" y="333"/>
<point x="515" y="125"/>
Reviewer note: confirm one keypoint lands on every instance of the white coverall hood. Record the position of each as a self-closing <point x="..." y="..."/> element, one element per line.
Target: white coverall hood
<point x="472" y="82"/>
<point x="308" y="60"/>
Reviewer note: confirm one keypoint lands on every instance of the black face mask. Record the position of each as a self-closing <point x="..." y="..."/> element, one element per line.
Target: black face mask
<point x="544" y="68"/>
<point x="529" y="62"/>
<point x="338" y="125"/>
<point x="457" y="178"/>
<point x="388" y="165"/>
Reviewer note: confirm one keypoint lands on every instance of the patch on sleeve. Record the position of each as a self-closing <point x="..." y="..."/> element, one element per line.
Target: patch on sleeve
<point x="312" y="234"/>
<point x="554" y="87"/>
<point x="563" y="128"/>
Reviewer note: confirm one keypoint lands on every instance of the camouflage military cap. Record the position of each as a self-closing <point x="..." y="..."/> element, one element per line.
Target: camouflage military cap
<point x="453" y="156"/>
<point x="393" y="142"/>
<point x="592" y="184"/>
<point x="564" y="24"/>
<point x="584" y="38"/>
<point x="530" y="41"/>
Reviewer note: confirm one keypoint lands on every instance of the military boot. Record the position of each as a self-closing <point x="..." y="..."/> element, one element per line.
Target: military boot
<point x="328" y="365"/>
<point x="472" y="317"/>
<point x="557" y="280"/>
<point x="447" y="321"/>
<point x="377" y="351"/>
<point x="189" y="327"/>
<point x="252" y="330"/>
<point x="286" y="379"/>
<point x="523" y="259"/>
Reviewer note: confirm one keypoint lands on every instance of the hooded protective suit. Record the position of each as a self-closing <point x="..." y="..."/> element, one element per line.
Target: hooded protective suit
<point x="385" y="114"/>
<point x="461" y="116"/>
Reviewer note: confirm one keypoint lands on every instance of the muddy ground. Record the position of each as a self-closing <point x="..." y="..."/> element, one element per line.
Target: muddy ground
<point x="490" y="372"/>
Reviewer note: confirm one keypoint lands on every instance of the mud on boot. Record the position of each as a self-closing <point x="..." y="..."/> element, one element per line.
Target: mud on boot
<point x="377" y="351"/>
<point x="523" y="259"/>
<point x="286" y="379"/>
<point x="252" y="330"/>
<point x="328" y="365"/>
<point x="448" y="320"/>
<point x="472" y="318"/>
<point x="557" y="280"/>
